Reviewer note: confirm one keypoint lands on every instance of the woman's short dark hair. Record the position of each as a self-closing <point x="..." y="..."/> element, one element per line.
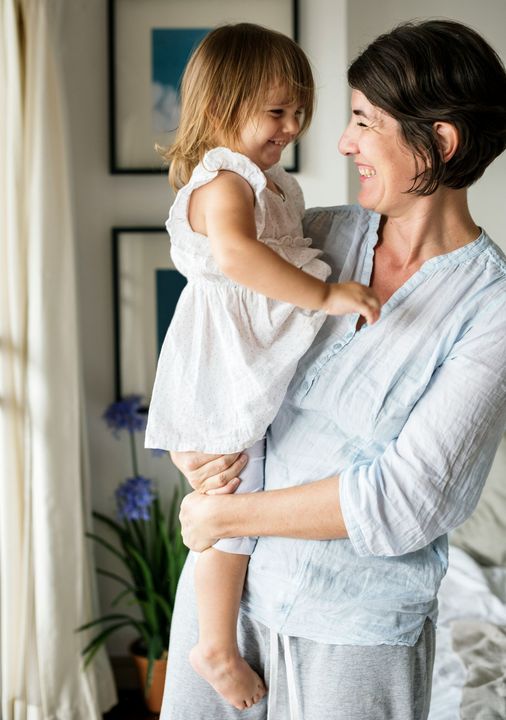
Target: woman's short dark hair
<point x="438" y="70"/>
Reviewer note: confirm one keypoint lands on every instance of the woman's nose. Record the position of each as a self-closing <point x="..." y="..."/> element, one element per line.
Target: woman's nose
<point x="347" y="144"/>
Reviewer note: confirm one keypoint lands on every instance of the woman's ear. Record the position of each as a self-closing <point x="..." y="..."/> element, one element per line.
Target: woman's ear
<point x="447" y="137"/>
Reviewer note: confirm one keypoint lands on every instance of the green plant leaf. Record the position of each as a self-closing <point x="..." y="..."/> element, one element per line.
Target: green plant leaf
<point x="94" y="646"/>
<point x="156" y="540"/>
<point x="155" y="650"/>
<point x="136" y="532"/>
<point x="164" y="606"/>
<point x="106" y="618"/>
<point x="121" y="595"/>
<point x="108" y="546"/>
<point x="144" y="567"/>
<point x="173" y="519"/>
<point x="114" y="576"/>
<point x="128" y="541"/>
<point x="116" y="527"/>
<point x="153" y="555"/>
<point x="149" y="612"/>
<point x="148" y="605"/>
<point x="173" y="576"/>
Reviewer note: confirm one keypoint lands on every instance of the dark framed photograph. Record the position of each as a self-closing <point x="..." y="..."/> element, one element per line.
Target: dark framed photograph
<point x="150" y="42"/>
<point x="146" y="289"/>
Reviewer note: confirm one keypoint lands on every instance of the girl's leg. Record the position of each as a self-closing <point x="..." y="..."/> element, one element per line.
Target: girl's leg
<point x="187" y="696"/>
<point x="219" y="580"/>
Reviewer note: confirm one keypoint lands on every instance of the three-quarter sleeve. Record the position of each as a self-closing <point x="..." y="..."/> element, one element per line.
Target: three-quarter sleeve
<point x="428" y="479"/>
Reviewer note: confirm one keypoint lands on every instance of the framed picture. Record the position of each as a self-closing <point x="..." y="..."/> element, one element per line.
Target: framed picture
<point x="146" y="289"/>
<point x="150" y="42"/>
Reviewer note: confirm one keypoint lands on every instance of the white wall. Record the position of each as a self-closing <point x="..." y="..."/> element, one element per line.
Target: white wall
<point x="323" y="173"/>
<point x="331" y="31"/>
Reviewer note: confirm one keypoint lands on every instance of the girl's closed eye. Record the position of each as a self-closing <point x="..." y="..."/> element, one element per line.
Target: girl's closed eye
<point x="279" y="112"/>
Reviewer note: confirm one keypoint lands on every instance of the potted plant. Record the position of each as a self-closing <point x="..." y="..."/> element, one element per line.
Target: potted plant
<point x="149" y="545"/>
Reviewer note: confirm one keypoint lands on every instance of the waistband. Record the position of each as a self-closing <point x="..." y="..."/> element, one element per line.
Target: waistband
<point x="293" y="701"/>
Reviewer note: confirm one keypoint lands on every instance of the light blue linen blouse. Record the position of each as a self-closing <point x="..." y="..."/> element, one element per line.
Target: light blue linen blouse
<point x="409" y="412"/>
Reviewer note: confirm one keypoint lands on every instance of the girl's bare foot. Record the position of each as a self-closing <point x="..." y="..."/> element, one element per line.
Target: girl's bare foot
<point x="229" y="674"/>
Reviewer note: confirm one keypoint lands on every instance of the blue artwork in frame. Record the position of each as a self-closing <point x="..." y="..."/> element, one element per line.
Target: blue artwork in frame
<point x="169" y="284"/>
<point x="146" y="287"/>
<point x="170" y="51"/>
<point x="149" y="44"/>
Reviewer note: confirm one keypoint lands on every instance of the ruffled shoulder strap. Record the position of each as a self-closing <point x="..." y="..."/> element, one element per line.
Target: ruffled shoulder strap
<point x="220" y="158"/>
<point x="289" y="185"/>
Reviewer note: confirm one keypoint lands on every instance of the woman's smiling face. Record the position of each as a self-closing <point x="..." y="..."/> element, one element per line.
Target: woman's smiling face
<point x="385" y="165"/>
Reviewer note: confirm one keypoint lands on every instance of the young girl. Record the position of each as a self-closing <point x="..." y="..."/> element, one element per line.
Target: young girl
<point x="247" y="314"/>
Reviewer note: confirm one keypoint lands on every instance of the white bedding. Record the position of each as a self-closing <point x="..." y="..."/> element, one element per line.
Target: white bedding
<point x="470" y="665"/>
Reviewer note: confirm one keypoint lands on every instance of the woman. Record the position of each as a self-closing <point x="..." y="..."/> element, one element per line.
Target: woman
<point x="401" y="418"/>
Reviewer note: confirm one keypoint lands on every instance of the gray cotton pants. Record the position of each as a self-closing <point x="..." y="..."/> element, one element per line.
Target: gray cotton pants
<point x="307" y="680"/>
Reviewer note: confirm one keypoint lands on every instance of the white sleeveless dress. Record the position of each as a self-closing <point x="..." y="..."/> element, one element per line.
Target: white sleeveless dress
<point x="230" y="353"/>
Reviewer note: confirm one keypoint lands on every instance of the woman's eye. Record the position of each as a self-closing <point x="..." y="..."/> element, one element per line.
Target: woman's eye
<point x="276" y="112"/>
<point x="361" y="124"/>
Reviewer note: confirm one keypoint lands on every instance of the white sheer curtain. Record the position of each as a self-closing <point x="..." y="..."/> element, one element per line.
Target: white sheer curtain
<point x="46" y="582"/>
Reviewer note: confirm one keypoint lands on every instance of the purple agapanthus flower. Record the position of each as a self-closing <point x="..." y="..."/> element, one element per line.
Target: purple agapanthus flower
<point x="134" y="498"/>
<point x="126" y="414"/>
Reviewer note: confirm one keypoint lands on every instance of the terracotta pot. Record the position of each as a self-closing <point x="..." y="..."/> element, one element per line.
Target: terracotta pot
<point x="153" y="698"/>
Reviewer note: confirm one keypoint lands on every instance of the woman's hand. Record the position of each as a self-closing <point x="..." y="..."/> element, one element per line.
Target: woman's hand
<point x="196" y="516"/>
<point x="210" y="474"/>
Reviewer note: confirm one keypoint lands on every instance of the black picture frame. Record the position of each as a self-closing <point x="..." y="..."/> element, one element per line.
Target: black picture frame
<point x="132" y="138"/>
<point x="146" y="287"/>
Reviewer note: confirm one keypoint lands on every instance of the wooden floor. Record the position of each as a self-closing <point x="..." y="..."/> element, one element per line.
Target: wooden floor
<point x="130" y="707"/>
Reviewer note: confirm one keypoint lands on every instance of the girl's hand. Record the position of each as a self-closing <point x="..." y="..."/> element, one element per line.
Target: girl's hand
<point x="350" y="297"/>
<point x="195" y="515"/>
<point x="210" y="474"/>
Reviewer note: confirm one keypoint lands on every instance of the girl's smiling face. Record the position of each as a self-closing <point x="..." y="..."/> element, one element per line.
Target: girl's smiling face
<point x="266" y="134"/>
<point x="385" y="165"/>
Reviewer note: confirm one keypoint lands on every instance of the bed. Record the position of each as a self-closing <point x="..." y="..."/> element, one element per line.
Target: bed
<point x="470" y="664"/>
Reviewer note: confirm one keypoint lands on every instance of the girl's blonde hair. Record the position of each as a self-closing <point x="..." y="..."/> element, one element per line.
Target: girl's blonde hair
<point x="226" y="82"/>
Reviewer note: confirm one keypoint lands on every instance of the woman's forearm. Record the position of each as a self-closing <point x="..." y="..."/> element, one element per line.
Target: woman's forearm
<point x="309" y="511"/>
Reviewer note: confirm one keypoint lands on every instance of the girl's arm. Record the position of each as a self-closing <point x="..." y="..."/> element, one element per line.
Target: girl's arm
<point x="224" y="211"/>
<point x="309" y="511"/>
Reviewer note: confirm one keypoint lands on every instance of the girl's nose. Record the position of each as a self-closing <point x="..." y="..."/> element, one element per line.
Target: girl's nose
<point x="292" y="125"/>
